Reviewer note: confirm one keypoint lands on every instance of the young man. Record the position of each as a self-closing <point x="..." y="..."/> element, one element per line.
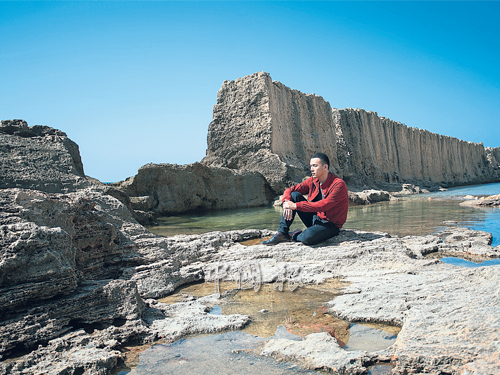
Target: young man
<point x="323" y="213"/>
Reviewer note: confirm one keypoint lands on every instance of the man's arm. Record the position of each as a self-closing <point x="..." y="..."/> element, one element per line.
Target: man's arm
<point x="303" y="188"/>
<point x="335" y="196"/>
<point x="288" y="206"/>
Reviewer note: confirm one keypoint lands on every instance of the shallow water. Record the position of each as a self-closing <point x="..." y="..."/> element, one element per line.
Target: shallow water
<point x="300" y="312"/>
<point x="274" y="313"/>
<point x="222" y="354"/>
<point x="413" y="215"/>
<point x="467" y="263"/>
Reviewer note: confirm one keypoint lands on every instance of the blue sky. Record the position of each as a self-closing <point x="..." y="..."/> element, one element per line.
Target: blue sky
<point x="134" y="82"/>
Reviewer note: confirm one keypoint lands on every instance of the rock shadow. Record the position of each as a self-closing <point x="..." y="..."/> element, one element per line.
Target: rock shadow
<point x="350" y="235"/>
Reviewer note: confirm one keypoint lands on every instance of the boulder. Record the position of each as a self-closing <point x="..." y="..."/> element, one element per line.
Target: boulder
<point x="170" y="188"/>
<point x="490" y="201"/>
<point x="369" y="196"/>
<point x="39" y="158"/>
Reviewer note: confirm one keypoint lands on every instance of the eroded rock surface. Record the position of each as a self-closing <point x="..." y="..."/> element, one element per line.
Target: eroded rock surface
<point x="262" y="125"/>
<point x="490" y="201"/>
<point x="39" y="157"/>
<point x="80" y="326"/>
<point x="167" y="189"/>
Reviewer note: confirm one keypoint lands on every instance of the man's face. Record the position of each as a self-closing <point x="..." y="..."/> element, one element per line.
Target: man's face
<point x="318" y="169"/>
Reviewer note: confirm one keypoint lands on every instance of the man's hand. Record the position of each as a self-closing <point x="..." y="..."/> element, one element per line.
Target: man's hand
<point x="288" y="208"/>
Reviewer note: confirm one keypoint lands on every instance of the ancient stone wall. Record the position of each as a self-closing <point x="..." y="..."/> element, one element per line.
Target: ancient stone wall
<point x="379" y="151"/>
<point x="261" y="125"/>
<point x="493" y="156"/>
<point x="264" y="126"/>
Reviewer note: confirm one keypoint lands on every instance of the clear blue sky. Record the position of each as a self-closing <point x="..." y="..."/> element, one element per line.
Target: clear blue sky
<point x="135" y="82"/>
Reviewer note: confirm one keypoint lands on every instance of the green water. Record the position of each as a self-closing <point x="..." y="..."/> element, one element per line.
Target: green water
<point x="414" y="215"/>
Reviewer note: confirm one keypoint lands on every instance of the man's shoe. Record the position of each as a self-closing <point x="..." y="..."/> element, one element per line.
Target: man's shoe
<point x="293" y="234"/>
<point x="277" y="238"/>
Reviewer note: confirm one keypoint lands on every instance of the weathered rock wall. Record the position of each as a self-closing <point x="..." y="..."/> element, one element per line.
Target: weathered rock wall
<point x="264" y="126"/>
<point x="261" y="125"/>
<point x="166" y="188"/>
<point x="493" y="156"/>
<point x="385" y="151"/>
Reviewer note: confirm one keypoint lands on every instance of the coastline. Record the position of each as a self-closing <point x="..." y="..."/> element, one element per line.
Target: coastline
<point x="80" y="277"/>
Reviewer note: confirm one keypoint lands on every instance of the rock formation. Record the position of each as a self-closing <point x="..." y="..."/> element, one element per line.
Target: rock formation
<point x="262" y="125"/>
<point x="40" y="158"/>
<point x="489" y="201"/>
<point x="79" y="278"/>
<point x="263" y="134"/>
<point x="165" y="188"/>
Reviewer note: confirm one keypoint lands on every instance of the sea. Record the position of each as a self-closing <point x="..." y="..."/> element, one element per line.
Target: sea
<point x="419" y="214"/>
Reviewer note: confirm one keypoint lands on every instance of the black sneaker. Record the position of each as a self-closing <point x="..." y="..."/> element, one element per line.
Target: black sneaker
<point x="277" y="238"/>
<point x="293" y="234"/>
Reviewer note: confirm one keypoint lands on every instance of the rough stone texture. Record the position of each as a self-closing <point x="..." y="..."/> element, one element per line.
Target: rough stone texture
<point x="436" y="317"/>
<point x="491" y="201"/>
<point x="449" y="315"/>
<point x="389" y="278"/>
<point x="320" y="351"/>
<point x="264" y="126"/>
<point x="493" y="156"/>
<point x="167" y="188"/>
<point x="386" y="151"/>
<point x="40" y="158"/>
<point x="369" y="196"/>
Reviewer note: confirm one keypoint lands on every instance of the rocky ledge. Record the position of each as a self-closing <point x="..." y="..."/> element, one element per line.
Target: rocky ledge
<point x="490" y="201"/>
<point x="80" y="278"/>
<point x="75" y="307"/>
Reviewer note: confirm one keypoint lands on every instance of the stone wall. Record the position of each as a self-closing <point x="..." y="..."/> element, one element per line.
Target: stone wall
<point x="264" y="126"/>
<point x="378" y="150"/>
<point x="261" y="125"/>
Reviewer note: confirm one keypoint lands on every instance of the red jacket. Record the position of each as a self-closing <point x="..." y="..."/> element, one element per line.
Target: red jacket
<point x="334" y="205"/>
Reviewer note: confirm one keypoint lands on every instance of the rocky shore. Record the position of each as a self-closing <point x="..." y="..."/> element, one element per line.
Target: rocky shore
<point x="490" y="201"/>
<point x="80" y="278"/>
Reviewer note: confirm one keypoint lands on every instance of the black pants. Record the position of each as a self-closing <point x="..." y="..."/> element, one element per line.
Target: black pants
<point x="317" y="230"/>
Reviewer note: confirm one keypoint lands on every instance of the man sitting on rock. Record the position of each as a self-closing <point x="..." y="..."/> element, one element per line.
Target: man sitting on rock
<point x="323" y="213"/>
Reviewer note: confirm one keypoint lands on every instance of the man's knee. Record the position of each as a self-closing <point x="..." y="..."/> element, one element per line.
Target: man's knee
<point x="307" y="238"/>
<point x="297" y="197"/>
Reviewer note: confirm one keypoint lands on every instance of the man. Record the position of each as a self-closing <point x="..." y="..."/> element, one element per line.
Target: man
<point x="323" y="213"/>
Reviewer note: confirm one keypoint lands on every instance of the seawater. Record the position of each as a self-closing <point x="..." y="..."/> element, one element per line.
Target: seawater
<point x="412" y="215"/>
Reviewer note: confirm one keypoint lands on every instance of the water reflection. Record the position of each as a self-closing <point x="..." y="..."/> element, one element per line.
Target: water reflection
<point x="292" y="315"/>
<point x="414" y="215"/>
<point x="228" y="353"/>
<point x="371" y="337"/>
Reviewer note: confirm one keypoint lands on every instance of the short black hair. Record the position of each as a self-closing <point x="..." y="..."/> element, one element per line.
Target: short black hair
<point x="324" y="159"/>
